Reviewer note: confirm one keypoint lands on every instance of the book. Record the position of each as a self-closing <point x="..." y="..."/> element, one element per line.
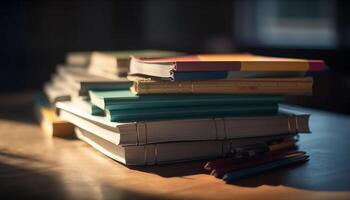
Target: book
<point x="188" y="112"/>
<point x="124" y="99"/>
<point x="53" y="126"/>
<point x="146" y="132"/>
<point x="162" y="153"/>
<point x="117" y="63"/>
<point x="164" y="67"/>
<point x="49" y="121"/>
<point x="281" y="86"/>
<point x="82" y="81"/>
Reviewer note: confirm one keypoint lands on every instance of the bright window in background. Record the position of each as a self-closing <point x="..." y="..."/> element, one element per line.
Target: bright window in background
<point x="288" y="23"/>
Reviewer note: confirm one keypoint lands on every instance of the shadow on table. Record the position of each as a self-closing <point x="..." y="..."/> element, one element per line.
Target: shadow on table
<point x="175" y="169"/>
<point x="296" y="176"/>
<point x="19" y="181"/>
<point x="18" y="108"/>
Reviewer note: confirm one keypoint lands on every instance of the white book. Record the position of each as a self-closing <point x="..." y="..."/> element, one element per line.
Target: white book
<point x="78" y="59"/>
<point x="167" y="152"/>
<point x="140" y="133"/>
<point x="55" y="94"/>
<point x="80" y="79"/>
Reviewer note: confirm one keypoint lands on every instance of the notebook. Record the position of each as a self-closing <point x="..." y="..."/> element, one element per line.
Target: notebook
<point x="136" y="133"/>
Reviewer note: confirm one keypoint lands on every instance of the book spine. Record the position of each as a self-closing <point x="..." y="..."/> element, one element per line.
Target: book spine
<point x="218" y="128"/>
<point x="156" y="153"/>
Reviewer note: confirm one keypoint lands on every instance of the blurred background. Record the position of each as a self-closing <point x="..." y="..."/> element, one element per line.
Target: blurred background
<point x="35" y="35"/>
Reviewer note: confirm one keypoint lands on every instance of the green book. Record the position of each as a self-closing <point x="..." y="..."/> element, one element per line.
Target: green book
<point x="125" y="99"/>
<point x="167" y="113"/>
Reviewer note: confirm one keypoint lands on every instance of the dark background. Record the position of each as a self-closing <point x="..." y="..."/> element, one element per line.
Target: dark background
<point x="35" y="35"/>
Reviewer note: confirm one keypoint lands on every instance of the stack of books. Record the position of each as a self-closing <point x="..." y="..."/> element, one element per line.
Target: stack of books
<point x="84" y="71"/>
<point x="195" y="107"/>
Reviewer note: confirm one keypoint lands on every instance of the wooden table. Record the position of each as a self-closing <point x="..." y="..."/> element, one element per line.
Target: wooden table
<point x="35" y="166"/>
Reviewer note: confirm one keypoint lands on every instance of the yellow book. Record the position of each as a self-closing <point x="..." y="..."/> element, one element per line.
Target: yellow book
<point x="281" y="86"/>
<point x="52" y="125"/>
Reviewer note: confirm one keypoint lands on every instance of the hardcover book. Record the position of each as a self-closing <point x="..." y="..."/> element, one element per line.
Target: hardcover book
<point x="165" y="67"/>
<point x="147" y="132"/>
<point x="167" y="152"/>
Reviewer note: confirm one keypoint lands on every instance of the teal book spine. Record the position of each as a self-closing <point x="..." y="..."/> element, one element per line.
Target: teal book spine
<point x="131" y="115"/>
<point x="192" y="102"/>
<point x="40" y="100"/>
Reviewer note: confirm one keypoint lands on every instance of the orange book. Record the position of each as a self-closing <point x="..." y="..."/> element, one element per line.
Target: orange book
<point x="167" y="67"/>
<point x="52" y="125"/>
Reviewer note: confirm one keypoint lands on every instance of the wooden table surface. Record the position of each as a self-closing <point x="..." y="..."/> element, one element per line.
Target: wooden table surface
<point x="33" y="166"/>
